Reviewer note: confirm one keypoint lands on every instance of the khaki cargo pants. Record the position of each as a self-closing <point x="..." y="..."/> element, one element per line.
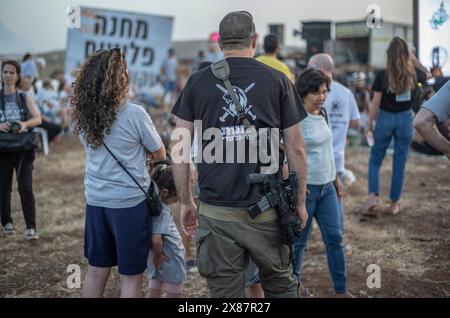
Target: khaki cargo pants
<point x="227" y="237"/>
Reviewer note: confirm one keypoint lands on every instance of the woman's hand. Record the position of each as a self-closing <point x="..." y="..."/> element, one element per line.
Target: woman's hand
<point x="339" y="188"/>
<point x="5" y="127"/>
<point x="23" y="127"/>
<point x="369" y="127"/>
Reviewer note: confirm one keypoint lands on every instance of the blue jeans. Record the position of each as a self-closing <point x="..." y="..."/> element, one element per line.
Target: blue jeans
<point x="400" y="127"/>
<point x="323" y="205"/>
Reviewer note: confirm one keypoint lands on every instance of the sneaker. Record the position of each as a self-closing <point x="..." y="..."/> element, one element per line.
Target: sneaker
<point x="8" y="228"/>
<point x="191" y="266"/>
<point x="32" y="234"/>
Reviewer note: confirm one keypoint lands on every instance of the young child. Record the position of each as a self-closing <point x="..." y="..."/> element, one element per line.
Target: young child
<point x="166" y="262"/>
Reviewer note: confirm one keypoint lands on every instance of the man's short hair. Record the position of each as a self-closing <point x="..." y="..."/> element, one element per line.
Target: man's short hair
<point x="236" y="30"/>
<point x="322" y="61"/>
<point x="270" y="43"/>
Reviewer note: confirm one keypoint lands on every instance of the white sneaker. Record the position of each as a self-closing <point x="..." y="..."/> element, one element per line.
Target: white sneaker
<point x="32" y="234"/>
<point x="8" y="228"/>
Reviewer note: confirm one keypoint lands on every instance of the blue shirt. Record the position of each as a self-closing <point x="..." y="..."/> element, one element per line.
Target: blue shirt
<point x="29" y="68"/>
<point x="319" y="149"/>
<point x="439" y="104"/>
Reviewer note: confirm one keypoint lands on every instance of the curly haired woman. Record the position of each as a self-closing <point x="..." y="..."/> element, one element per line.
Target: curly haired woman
<point x="118" y="223"/>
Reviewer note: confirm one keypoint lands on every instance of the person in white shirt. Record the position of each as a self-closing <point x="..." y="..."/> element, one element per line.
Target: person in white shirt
<point x="341" y="107"/>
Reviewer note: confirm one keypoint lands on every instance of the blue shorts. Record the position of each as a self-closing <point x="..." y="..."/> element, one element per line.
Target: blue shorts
<point x="118" y="237"/>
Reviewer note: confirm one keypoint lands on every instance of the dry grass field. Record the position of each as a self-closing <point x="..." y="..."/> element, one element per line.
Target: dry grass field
<point x="412" y="249"/>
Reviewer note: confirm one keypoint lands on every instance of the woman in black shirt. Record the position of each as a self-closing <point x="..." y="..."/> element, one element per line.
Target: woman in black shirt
<point x="395" y="90"/>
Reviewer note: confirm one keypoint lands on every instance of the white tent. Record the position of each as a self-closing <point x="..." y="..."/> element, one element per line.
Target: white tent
<point x="11" y="43"/>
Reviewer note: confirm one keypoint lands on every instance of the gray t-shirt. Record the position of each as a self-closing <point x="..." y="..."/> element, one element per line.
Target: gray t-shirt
<point x="439" y="104"/>
<point x="131" y="136"/>
<point x="12" y="112"/>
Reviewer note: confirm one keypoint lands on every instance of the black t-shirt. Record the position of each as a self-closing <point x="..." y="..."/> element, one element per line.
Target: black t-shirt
<point x="271" y="101"/>
<point x="441" y="81"/>
<point x="391" y="101"/>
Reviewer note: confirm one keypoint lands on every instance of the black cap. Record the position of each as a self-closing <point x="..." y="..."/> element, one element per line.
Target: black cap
<point x="236" y="27"/>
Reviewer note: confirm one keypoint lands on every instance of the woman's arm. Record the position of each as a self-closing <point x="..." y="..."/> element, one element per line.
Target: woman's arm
<point x="35" y="119"/>
<point x="339" y="187"/>
<point x="373" y="112"/>
<point x="158" y="155"/>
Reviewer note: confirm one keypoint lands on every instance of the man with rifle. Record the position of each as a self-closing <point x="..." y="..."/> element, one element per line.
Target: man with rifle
<point x="235" y="100"/>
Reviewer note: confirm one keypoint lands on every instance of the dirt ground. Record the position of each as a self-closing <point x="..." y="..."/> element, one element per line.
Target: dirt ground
<point x="412" y="249"/>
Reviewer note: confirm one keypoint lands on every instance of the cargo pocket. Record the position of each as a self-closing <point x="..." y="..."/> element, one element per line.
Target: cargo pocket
<point x="285" y="256"/>
<point x="204" y="261"/>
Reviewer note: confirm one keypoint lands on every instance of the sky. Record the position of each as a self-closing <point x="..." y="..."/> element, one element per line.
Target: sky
<point x="42" y="22"/>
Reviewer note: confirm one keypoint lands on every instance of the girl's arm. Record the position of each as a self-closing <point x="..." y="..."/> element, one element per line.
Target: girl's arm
<point x="157" y="250"/>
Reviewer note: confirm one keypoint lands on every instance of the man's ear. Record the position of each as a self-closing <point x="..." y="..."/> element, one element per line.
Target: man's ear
<point x="254" y="41"/>
<point x="220" y="45"/>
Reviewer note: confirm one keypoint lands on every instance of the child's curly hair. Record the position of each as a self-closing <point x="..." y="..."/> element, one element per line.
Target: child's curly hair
<point x="162" y="174"/>
<point x="100" y="90"/>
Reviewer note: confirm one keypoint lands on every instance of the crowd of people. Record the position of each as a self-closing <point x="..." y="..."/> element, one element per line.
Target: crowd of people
<point x="315" y="115"/>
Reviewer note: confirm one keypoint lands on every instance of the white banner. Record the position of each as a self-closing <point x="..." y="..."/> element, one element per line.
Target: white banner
<point x="144" y="38"/>
<point x="434" y="34"/>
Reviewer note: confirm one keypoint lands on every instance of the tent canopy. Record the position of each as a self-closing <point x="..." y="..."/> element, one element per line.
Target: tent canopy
<point x="11" y="43"/>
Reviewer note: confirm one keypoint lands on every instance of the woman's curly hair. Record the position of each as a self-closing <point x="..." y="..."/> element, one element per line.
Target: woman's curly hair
<point x="100" y="90"/>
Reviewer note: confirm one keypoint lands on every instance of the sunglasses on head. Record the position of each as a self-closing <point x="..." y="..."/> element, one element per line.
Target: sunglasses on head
<point x="114" y="49"/>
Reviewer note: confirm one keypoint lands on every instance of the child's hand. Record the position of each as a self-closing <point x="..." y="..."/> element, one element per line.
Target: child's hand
<point x="157" y="251"/>
<point x="158" y="259"/>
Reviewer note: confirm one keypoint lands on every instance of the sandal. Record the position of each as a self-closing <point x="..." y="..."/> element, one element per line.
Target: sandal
<point x="372" y="207"/>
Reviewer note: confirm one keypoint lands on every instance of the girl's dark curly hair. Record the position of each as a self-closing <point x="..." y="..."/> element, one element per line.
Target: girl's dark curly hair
<point x="100" y="90"/>
<point x="162" y="174"/>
